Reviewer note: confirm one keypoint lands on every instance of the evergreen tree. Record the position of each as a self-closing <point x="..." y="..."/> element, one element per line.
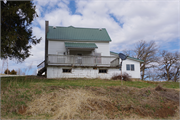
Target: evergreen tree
<point x="7" y="71"/>
<point x="16" y="33"/>
<point x="13" y="72"/>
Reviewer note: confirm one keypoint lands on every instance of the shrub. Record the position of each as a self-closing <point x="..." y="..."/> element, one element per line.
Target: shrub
<point x="13" y="72"/>
<point x="125" y="77"/>
<point x="7" y="71"/>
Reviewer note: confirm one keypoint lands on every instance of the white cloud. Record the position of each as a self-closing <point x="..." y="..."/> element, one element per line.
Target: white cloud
<point x="156" y="20"/>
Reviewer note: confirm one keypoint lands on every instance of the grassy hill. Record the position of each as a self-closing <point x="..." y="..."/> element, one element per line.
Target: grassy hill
<point x="40" y="98"/>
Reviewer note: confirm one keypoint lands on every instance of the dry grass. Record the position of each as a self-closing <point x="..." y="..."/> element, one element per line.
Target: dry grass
<point x="63" y="104"/>
<point x="104" y="103"/>
<point x="92" y="99"/>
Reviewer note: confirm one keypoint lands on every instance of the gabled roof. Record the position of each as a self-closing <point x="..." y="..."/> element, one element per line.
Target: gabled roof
<point x="77" y="34"/>
<point x="132" y="58"/>
<point x="80" y="45"/>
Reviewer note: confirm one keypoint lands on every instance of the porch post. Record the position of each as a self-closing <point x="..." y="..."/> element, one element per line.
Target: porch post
<point x="68" y="52"/>
<point x="93" y="52"/>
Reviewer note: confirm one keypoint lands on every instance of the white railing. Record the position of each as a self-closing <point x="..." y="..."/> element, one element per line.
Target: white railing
<point x="83" y="60"/>
<point x="115" y="62"/>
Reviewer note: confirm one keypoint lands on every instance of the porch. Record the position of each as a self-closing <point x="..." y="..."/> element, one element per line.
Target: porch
<point x="78" y="61"/>
<point x="75" y="60"/>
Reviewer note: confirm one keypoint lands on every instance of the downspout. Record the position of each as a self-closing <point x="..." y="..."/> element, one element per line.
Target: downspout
<point x="46" y="46"/>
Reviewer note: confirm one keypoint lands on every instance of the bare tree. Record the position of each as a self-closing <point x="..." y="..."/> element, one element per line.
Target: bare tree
<point x="177" y="71"/>
<point x="128" y="52"/>
<point x="169" y="65"/>
<point x="146" y="51"/>
<point x="152" y="74"/>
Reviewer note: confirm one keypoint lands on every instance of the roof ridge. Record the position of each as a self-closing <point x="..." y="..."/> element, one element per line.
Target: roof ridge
<point x="81" y="42"/>
<point x="76" y="27"/>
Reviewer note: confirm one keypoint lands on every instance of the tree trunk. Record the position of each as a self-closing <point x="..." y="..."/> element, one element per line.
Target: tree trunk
<point x="175" y="75"/>
<point x="168" y="76"/>
<point x="142" y="76"/>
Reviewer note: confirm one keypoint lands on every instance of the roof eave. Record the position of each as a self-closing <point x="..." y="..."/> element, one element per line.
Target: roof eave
<point x="79" y="40"/>
<point x="135" y="59"/>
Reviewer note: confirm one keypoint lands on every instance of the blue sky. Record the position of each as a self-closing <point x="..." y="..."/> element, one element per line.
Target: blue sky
<point x="126" y="21"/>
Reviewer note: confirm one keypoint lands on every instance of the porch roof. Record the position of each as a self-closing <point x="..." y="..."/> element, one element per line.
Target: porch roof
<point x="80" y="45"/>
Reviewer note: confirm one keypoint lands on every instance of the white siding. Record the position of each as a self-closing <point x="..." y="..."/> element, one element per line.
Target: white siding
<point x="103" y="48"/>
<point x="136" y="72"/>
<point x="56" y="46"/>
<point x="56" y="72"/>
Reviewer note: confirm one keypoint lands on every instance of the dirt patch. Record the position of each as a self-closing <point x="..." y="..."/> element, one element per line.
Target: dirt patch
<point x="146" y="102"/>
<point x="169" y="94"/>
<point x="159" y="88"/>
<point x="22" y="109"/>
<point x="98" y="90"/>
<point x="166" y="111"/>
<point x="104" y="107"/>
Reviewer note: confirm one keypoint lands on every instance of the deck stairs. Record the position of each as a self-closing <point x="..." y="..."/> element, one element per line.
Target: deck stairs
<point x="41" y="71"/>
<point x="41" y="68"/>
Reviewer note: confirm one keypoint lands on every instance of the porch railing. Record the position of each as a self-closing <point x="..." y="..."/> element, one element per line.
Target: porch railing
<point x="83" y="60"/>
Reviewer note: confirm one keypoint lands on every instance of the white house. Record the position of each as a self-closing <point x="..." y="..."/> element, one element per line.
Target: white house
<point x="72" y="52"/>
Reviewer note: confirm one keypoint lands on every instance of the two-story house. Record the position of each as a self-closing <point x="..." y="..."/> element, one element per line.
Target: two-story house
<point x="73" y="52"/>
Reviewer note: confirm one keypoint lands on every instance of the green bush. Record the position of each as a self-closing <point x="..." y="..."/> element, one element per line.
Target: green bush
<point x="13" y="72"/>
<point x="7" y="71"/>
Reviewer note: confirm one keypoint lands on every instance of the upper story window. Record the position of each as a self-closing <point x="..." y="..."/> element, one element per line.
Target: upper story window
<point x="130" y="67"/>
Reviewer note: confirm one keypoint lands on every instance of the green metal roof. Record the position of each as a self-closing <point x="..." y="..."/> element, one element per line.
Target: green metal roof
<point x="113" y="53"/>
<point x="77" y="34"/>
<point x="80" y="45"/>
<point x="132" y="58"/>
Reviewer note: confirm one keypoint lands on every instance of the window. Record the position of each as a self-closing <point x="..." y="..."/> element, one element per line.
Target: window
<point x="102" y="70"/>
<point x="66" y="70"/>
<point x="127" y="67"/>
<point x="130" y="67"/>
